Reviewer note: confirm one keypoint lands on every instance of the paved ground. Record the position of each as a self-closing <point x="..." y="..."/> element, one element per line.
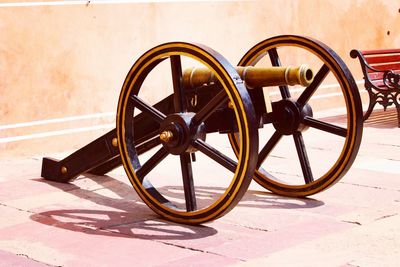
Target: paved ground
<point x="100" y="221"/>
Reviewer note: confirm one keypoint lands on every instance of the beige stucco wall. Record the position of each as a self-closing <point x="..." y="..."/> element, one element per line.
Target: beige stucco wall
<point x="61" y="61"/>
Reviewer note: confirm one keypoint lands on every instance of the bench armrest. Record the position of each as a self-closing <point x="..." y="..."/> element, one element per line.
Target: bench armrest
<point x="390" y="78"/>
<point x="364" y="65"/>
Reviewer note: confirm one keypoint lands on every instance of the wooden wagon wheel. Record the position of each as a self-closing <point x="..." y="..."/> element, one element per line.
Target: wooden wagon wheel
<point x="299" y="126"/>
<point x="174" y="137"/>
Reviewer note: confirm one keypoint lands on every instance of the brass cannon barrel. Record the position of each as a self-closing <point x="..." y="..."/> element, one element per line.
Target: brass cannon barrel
<point x="254" y="76"/>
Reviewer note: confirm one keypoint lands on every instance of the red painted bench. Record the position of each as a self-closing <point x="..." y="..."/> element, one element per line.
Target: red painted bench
<point x="381" y="69"/>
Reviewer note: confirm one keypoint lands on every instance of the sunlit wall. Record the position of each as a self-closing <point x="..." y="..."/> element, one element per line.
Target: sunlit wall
<point x="62" y="63"/>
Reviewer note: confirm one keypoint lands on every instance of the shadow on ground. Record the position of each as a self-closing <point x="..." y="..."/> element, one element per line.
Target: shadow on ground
<point x="128" y="217"/>
<point x="124" y="217"/>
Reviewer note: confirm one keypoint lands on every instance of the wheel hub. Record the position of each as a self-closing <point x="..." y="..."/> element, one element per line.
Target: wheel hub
<point x="289" y="117"/>
<point x="177" y="133"/>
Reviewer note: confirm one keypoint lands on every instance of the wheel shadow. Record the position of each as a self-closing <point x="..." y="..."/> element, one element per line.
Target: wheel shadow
<point x="267" y="200"/>
<point x="124" y="215"/>
<point x="251" y="199"/>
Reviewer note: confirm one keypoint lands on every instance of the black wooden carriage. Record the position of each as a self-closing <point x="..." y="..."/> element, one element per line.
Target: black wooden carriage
<point x="221" y="115"/>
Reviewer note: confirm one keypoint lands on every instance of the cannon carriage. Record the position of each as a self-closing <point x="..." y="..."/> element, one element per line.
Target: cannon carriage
<point x="192" y="130"/>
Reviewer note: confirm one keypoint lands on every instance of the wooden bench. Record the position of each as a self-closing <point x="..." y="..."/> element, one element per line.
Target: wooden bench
<point x="381" y="69"/>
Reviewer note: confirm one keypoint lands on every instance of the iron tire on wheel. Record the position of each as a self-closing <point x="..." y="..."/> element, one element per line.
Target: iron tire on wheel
<point x="353" y="132"/>
<point x="235" y="92"/>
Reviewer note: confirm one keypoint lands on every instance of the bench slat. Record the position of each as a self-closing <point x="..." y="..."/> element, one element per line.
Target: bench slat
<point x="371" y="60"/>
<point x="379" y="83"/>
<point x="378" y="75"/>
<point x="394" y="67"/>
<point x="381" y="51"/>
<point x="375" y="76"/>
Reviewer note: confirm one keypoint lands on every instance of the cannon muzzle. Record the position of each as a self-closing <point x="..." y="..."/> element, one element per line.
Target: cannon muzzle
<point x="254" y="76"/>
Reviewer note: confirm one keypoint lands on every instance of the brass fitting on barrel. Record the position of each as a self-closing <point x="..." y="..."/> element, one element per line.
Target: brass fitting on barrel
<point x="254" y="76"/>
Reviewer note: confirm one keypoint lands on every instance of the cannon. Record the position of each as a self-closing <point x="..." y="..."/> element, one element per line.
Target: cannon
<point x="182" y="104"/>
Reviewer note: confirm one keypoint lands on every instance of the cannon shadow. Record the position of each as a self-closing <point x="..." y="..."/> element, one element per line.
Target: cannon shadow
<point x="128" y="217"/>
<point x="124" y="216"/>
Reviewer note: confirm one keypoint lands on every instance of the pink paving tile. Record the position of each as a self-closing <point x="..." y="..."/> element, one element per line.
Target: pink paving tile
<point x="360" y="195"/>
<point x="359" y="175"/>
<point x="16" y="189"/>
<point x="266" y="219"/>
<point x="259" y="203"/>
<point x="92" y="247"/>
<point x="262" y="243"/>
<point x="20" y="168"/>
<point x="11" y="260"/>
<point x="240" y="242"/>
<point x="11" y="216"/>
<point x="201" y="260"/>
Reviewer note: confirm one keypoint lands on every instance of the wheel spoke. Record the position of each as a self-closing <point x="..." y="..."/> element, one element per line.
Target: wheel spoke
<point x="145" y="138"/>
<point x="276" y="62"/>
<point x="268" y="147"/>
<point x="302" y="154"/>
<point x="216" y="155"/>
<point x="323" y="126"/>
<point x="149" y="144"/>
<point x="188" y="185"/>
<point x="179" y="94"/>
<point x="151" y="163"/>
<point x="310" y="90"/>
<point x="146" y="108"/>
<point x="219" y="100"/>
